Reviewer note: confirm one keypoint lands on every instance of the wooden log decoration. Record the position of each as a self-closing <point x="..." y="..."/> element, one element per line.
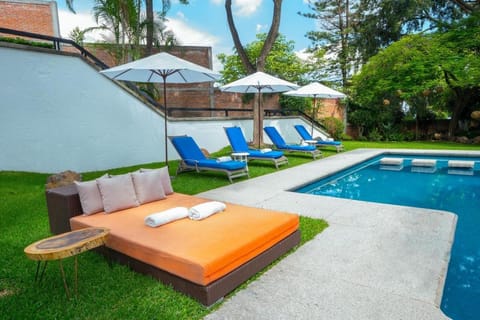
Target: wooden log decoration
<point x="67" y="244"/>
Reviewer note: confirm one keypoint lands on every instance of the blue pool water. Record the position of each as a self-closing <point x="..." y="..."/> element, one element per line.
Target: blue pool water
<point x="454" y="190"/>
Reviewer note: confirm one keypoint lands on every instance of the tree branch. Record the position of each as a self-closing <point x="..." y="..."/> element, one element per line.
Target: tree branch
<point x="236" y="39"/>
<point x="467" y="6"/>
<point x="272" y="35"/>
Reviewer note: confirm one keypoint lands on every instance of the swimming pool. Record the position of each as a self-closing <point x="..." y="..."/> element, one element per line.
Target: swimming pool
<point x="440" y="187"/>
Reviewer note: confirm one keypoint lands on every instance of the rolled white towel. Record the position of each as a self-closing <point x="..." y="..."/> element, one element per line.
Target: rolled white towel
<point x="159" y="218"/>
<point x="204" y="210"/>
<point x="264" y="150"/>
<point x="224" y="159"/>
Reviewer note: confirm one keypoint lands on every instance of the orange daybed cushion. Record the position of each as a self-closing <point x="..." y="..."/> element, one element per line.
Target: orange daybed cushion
<point x="200" y="251"/>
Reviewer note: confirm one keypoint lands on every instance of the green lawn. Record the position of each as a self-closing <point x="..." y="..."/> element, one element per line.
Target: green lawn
<point x="104" y="292"/>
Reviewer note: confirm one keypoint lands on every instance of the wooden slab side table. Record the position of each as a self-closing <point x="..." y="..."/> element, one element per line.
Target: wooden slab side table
<point x="63" y="246"/>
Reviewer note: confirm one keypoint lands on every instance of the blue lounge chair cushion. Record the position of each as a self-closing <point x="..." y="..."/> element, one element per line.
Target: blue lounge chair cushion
<point x="237" y="140"/>
<point x="212" y="163"/>
<point x="239" y="144"/>
<point x="281" y="144"/>
<point x="267" y="155"/>
<point x="307" y="136"/>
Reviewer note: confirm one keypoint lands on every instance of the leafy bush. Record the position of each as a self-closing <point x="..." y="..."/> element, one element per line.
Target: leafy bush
<point x="362" y="138"/>
<point x="345" y="137"/>
<point x="334" y="127"/>
<point x="375" y="135"/>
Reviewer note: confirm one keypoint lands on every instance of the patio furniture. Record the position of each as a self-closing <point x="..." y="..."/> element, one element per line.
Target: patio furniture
<point x="63" y="246"/>
<point x="194" y="159"/>
<point x="240" y="146"/>
<point x="307" y="137"/>
<point x="280" y="144"/>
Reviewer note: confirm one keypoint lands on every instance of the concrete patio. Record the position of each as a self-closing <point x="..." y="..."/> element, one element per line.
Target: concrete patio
<point x="374" y="261"/>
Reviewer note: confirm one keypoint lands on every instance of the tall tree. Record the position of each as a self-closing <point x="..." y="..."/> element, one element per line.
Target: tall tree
<point x="334" y="35"/>
<point x="378" y="23"/>
<point x="149" y="21"/>
<point x="443" y="67"/>
<point x="352" y="31"/>
<point x="259" y="64"/>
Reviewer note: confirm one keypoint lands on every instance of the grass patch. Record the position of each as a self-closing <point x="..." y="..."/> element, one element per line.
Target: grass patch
<point x="104" y="292"/>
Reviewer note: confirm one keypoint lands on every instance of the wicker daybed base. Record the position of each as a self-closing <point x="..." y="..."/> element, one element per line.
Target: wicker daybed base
<point x="215" y="291"/>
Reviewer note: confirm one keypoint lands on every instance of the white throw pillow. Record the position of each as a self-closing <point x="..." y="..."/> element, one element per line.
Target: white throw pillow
<point x="148" y="186"/>
<point x="165" y="177"/>
<point x="90" y="197"/>
<point x="117" y="193"/>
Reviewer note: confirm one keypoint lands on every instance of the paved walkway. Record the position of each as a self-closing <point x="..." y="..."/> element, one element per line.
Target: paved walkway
<point x="374" y="261"/>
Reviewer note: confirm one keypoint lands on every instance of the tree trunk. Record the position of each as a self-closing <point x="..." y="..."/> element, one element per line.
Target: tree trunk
<point x="457" y="110"/>
<point x="467" y="6"/>
<point x="236" y="39"/>
<point x="260" y="63"/>
<point x="461" y="98"/>
<point x="149" y="20"/>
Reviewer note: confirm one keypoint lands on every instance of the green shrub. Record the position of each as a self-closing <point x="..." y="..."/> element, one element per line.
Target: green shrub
<point x="345" y="137"/>
<point x="362" y="138"/>
<point x="375" y="135"/>
<point x="27" y="42"/>
<point x="334" y="127"/>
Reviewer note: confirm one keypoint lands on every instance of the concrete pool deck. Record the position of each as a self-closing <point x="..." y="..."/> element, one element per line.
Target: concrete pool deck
<point x="374" y="261"/>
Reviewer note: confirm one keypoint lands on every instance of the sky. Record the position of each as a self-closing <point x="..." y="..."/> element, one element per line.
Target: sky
<point x="204" y="22"/>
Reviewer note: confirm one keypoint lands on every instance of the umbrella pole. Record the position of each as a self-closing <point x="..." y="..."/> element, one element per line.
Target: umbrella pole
<point x="165" y="126"/>
<point x="259" y="117"/>
<point x="314" y="112"/>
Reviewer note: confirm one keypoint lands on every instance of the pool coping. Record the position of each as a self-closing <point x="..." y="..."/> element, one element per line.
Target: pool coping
<point x="406" y="291"/>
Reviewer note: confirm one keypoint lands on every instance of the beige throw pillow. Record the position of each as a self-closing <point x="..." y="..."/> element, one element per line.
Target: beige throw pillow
<point x="117" y="193"/>
<point x="90" y="197"/>
<point x="165" y="177"/>
<point x="148" y="186"/>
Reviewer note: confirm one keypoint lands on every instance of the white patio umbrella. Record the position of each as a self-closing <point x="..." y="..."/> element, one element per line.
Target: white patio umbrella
<point x="163" y="68"/>
<point x="316" y="90"/>
<point x="259" y="82"/>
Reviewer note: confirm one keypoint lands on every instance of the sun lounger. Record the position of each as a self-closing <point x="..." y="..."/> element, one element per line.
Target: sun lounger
<point x="239" y="144"/>
<point x="280" y="144"/>
<point x="194" y="159"/>
<point x="318" y="142"/>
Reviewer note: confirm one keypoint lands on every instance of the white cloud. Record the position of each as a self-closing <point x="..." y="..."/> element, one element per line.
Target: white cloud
<point x="304" y="55"/>
<point x="260" y="27"/>
<point x="246" y="8"/>
<point x="68" y="21"/>
<point x="242" y="8"/>
<point x="189" y="36"/>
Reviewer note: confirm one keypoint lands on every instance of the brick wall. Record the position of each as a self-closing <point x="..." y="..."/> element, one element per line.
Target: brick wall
<point x="30" y="15"/>
<point x="330" y="108"/>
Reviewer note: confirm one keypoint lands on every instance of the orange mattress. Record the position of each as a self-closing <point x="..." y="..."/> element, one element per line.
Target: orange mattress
<point x="200" y="251"/>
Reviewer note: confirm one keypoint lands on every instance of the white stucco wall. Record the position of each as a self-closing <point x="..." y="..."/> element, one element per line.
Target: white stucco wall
<point x="58" y="113"/>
